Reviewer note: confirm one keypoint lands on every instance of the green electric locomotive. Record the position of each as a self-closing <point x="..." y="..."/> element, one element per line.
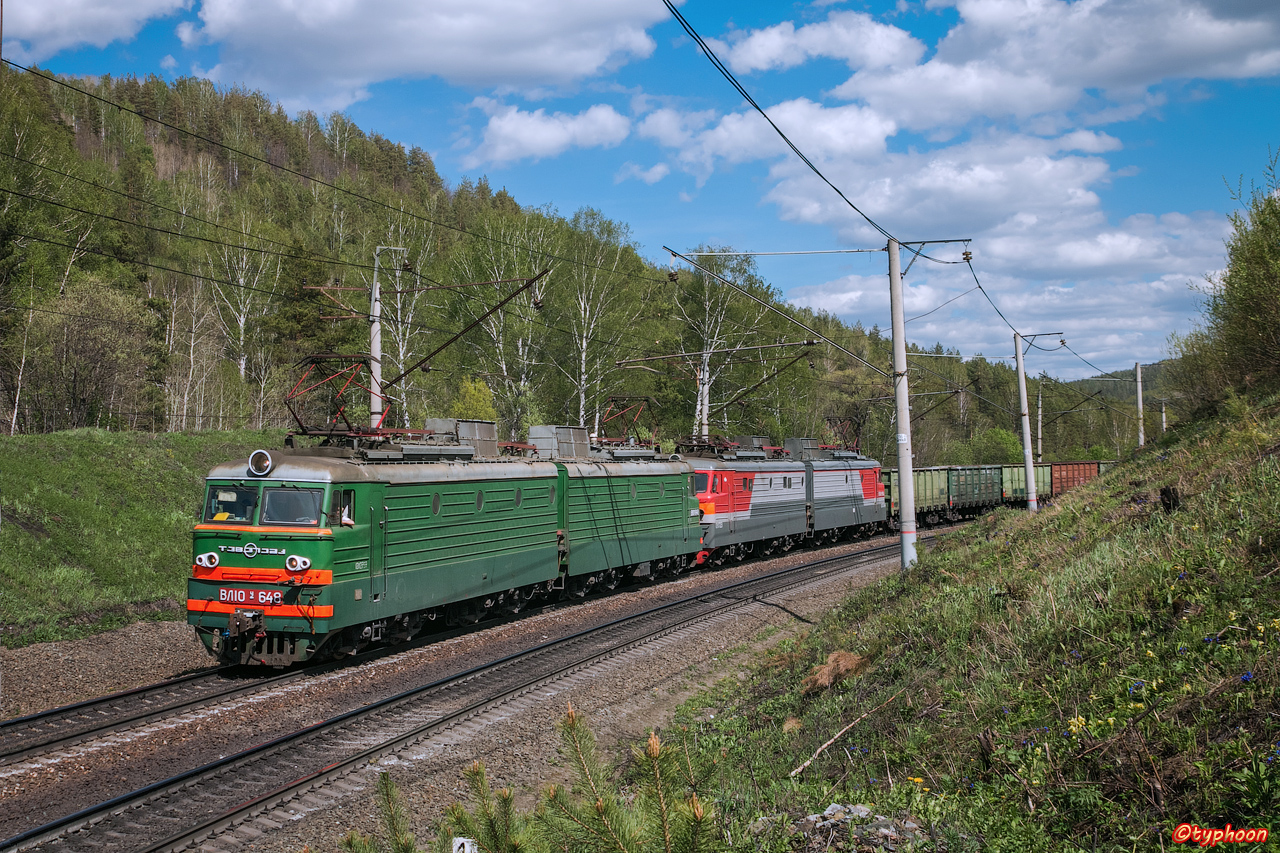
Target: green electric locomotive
<point x="313" y="553"/>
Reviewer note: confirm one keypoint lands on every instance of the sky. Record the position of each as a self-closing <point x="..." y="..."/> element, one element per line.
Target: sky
<point x="1091" y="151"/>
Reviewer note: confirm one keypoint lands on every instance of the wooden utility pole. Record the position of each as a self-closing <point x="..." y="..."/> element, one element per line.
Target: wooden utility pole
<point x="906" y="496"/>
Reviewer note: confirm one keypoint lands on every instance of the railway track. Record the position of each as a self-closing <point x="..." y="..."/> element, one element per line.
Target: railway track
<point x="184" y="810"/>
<point x="68" y="725"/>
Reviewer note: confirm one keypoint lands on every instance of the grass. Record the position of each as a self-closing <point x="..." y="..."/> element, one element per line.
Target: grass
<point x="1106" y="668"/>
<point x="96" y="526"/>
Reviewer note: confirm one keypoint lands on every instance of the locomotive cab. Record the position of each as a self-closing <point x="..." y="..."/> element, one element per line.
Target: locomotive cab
<point x="262" y="571"/>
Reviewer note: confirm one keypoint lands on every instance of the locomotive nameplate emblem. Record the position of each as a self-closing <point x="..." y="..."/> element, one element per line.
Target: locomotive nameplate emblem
<point x="249" y="550"/>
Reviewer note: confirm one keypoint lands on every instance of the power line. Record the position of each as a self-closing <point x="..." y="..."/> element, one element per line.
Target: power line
<point x="943" y="305"/>
<point x="168" y="232"/>
<point x="728" y="75"/>
<point x="771" y="306"/>
<point x="286" y="169"/>
<point x="180" y="213"/>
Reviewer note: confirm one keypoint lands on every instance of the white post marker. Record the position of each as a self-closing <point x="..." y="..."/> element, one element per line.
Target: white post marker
<point x="906" y="496"/>
<point x="1028" y="463"/>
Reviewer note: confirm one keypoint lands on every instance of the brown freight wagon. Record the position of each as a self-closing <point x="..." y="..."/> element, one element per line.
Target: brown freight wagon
<point x="1068" y="475"/>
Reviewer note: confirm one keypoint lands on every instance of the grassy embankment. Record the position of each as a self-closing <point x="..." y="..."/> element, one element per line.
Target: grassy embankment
<point x="1083" y="679"/>
<point x="1103" y="670"/>
<point x="96" y="529"/>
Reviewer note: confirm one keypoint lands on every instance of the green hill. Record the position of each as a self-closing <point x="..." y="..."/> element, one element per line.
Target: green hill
<point x="1109" y="665"/>
<point x="96" y="526"/>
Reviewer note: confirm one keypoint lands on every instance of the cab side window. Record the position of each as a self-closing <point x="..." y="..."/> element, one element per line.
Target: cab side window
<point x="342" y="508"/>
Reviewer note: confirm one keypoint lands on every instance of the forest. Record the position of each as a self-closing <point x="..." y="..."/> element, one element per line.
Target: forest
<point x="169" y="251"/>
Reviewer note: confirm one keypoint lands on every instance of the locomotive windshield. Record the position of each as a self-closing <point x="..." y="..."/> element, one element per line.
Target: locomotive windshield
<point x="292" y="506"/>
<point x="699" y="483"/>
<point x="228" y="503"/>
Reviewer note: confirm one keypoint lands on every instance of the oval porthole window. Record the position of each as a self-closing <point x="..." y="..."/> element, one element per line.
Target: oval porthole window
<point x="479" y="501"/>
<point x="435" y="504"/>
<point x="633" y="491"/>
<point x="552" y="498"/>
<point x="519" y="497"/>
<point x="662" y="490"/>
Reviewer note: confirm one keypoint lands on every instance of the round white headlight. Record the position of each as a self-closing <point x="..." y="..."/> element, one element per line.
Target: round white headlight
<point x="294" y="563"/>
<point x="260" y="463"/>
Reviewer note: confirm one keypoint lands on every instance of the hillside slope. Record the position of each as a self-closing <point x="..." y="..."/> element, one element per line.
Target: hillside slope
<point x="96" y="526"/>
<point x="1107" y="666"/>
<point x="1087" y="678"/>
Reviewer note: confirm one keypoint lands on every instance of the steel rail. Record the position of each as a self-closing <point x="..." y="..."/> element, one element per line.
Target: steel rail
<point x="767" y="584"/>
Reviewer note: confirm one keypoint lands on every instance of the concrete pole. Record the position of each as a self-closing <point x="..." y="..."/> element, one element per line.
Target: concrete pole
<point x="1027" y="463"/>
<point x="1164" y="419"/>
<point x="1039" y="422"/>
<point x="1142" y="436"/>
<point x="906" y="496"/>
<point x="375" y="346"/>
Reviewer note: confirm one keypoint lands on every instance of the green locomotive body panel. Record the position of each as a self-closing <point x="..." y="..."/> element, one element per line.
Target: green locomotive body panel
<point x="487" y="529"/>
<point x="619" y="514"/>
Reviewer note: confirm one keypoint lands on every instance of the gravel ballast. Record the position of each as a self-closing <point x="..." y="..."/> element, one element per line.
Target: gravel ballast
<point x="623" y="700"/>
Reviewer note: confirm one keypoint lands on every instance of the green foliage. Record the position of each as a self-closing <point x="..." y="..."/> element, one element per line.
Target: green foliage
<point x="659" y="810"/>
<point x="474" y="401"/>
<point x="96" y="527"/>
<point x="494" y="823"/>
<point x="218" y="257"/>
<point x="1237" y="344"/>
<point x="395" y="821"/>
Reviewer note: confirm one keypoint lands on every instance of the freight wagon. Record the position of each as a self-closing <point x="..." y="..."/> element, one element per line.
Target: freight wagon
<point x="1014" y="482"/>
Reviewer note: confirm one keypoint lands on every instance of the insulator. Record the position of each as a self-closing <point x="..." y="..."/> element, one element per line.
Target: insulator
<point x="673" y="276"/>
<point x="968" y="256"/>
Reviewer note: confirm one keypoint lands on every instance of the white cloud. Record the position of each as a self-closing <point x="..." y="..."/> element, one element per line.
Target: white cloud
<point x="855" y="37"/>
<point x="322" y="54"/>
<point x="821" y="132"/>
<point x="515" y="134"/>
<point x="1022" y="59"/>
<point x="652" y="175"/>
<point x="34" y="31"/>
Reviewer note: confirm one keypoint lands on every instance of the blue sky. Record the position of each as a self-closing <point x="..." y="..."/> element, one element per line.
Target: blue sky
<point x="1086" y="147"/>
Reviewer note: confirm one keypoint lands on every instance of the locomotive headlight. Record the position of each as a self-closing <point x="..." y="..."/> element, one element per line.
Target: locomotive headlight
<point x="294" y="563"/>
<point x="260" y="463"/>
<point x="209" y="561"/>
<point x="199" y="559"/>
